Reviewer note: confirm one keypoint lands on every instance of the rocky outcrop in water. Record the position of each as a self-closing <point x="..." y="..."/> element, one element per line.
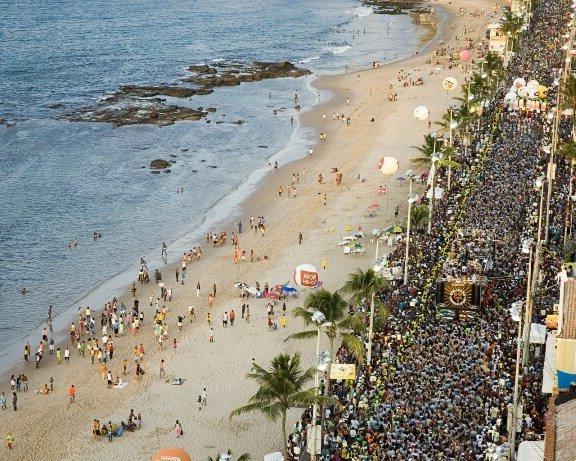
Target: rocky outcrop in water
<point x="159" y="164"/>
<point x="151" y="112"/>
<point x="146" y="104"/>
<point x="231" y="74"/>
<point x="393" y="6"/>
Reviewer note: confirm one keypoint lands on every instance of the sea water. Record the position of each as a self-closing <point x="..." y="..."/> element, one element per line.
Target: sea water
<point x="60" y="181"/>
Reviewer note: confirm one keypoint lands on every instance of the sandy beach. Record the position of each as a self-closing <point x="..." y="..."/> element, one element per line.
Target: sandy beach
<point x="48" y="427"/>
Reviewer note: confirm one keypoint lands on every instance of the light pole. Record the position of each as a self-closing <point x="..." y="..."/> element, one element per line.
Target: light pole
<point x="411" y="200"/>
<point x="526" y="248"/>
<point x="433" y="169"/>
<point x="318" y="318"/>
<point x="534" y="274"/>
<point x="370" y="329"/>
<point x="453" y="125"/>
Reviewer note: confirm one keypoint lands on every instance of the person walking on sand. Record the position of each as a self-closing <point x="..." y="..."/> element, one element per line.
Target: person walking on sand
<point x="67" y="355"/>
<point x="178" y="429"/>
<point x="210" y="336"/>
<point x="3" y="401"/>
<point x="198" y="290"/>
<point x="72" y="393"/>
<point x="162" y="371"/>
<point x="300" y="238"/>
<point x="14" y="401"/>
<point x="225" y="319"/>
<point x="214" y="290"/>
<point x="204" y="396"/>
<point x="232" y="317"/>
<point x="164" y="251"/>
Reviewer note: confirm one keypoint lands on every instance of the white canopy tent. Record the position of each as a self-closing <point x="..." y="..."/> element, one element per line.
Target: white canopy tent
<point x="531" y="451"/>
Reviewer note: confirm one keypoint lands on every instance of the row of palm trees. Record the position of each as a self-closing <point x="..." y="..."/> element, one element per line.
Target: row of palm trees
<point x="285" y="383"/>
<point x="457" y="122"/>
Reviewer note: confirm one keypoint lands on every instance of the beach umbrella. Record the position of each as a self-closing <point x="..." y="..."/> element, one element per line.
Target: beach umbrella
<point x="373" y="206"/>
<point x="388" y="165"/>
<point x="400" y="178"/>
<point x="465" y="55"/>
<point x="533" y="84"/>
<point x="289" y="289"/>
<point x="306" y="275"/>
<point x="240" y="285"/>
<point x="171" y="454"/>
<point x="276" y="456"/>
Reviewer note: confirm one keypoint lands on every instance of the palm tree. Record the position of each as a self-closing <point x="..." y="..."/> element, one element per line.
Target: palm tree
<point x="569" y="92"/>
<point x="428" y="150"/>
<point x="219" y="457"/>
<point x="432" y="155"/>
<point x="511" y="24"/>
<point x="494" y="68"/>
<point x="569" y="97"/>
<point x="478" y="87"/>
<point x="365" y="285"/>
<point x="282" y="387"/>
<point x="419" y="216"/>
<point x="568" y="249"/>
<point x="338" y="322"/>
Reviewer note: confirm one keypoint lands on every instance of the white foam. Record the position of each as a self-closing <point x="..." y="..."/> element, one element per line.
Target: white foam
<point x="362" y="11"/>
<point x="340" y="49"/>
<point x="309" y="59"/>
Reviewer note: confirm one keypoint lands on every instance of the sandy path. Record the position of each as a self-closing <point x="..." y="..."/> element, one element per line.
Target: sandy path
<point x="49" y="428"/>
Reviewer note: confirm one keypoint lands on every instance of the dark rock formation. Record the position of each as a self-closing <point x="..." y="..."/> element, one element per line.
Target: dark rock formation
<point x="232" y="74"/>
<point x="159" y="164"/>
<point x="135" y="113"/>
<point x="392" y="6"/>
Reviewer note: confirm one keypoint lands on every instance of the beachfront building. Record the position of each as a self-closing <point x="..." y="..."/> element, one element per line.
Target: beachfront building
<point x="566" y="336"/>
<point x="498" y="40"/>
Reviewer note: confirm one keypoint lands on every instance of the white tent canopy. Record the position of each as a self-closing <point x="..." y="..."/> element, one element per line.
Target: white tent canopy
<point x="531" y="451"/>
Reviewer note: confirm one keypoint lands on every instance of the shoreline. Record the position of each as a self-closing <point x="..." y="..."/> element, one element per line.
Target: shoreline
<point x="353" y="149"/>
<point x="214" y="218"/>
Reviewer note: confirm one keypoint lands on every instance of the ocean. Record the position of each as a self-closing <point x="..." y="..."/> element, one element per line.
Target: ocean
<point x="61" y="181"/>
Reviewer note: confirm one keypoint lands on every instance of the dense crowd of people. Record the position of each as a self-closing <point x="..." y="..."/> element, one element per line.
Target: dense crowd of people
<point x="442" y="389"/>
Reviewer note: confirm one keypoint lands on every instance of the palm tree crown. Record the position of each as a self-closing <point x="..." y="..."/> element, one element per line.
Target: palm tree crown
<point x="337" y="321"/>
<point x="282" y="386"/>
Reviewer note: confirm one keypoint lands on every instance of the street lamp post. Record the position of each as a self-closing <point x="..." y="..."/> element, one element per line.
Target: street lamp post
<point x="526" y="248"/>
<point x="318" y="318"/>
<point x="534" y="274"/>
<point x="411" y="200"/>
<point x="431" y="204"/>
<point x="370" y="329"/>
